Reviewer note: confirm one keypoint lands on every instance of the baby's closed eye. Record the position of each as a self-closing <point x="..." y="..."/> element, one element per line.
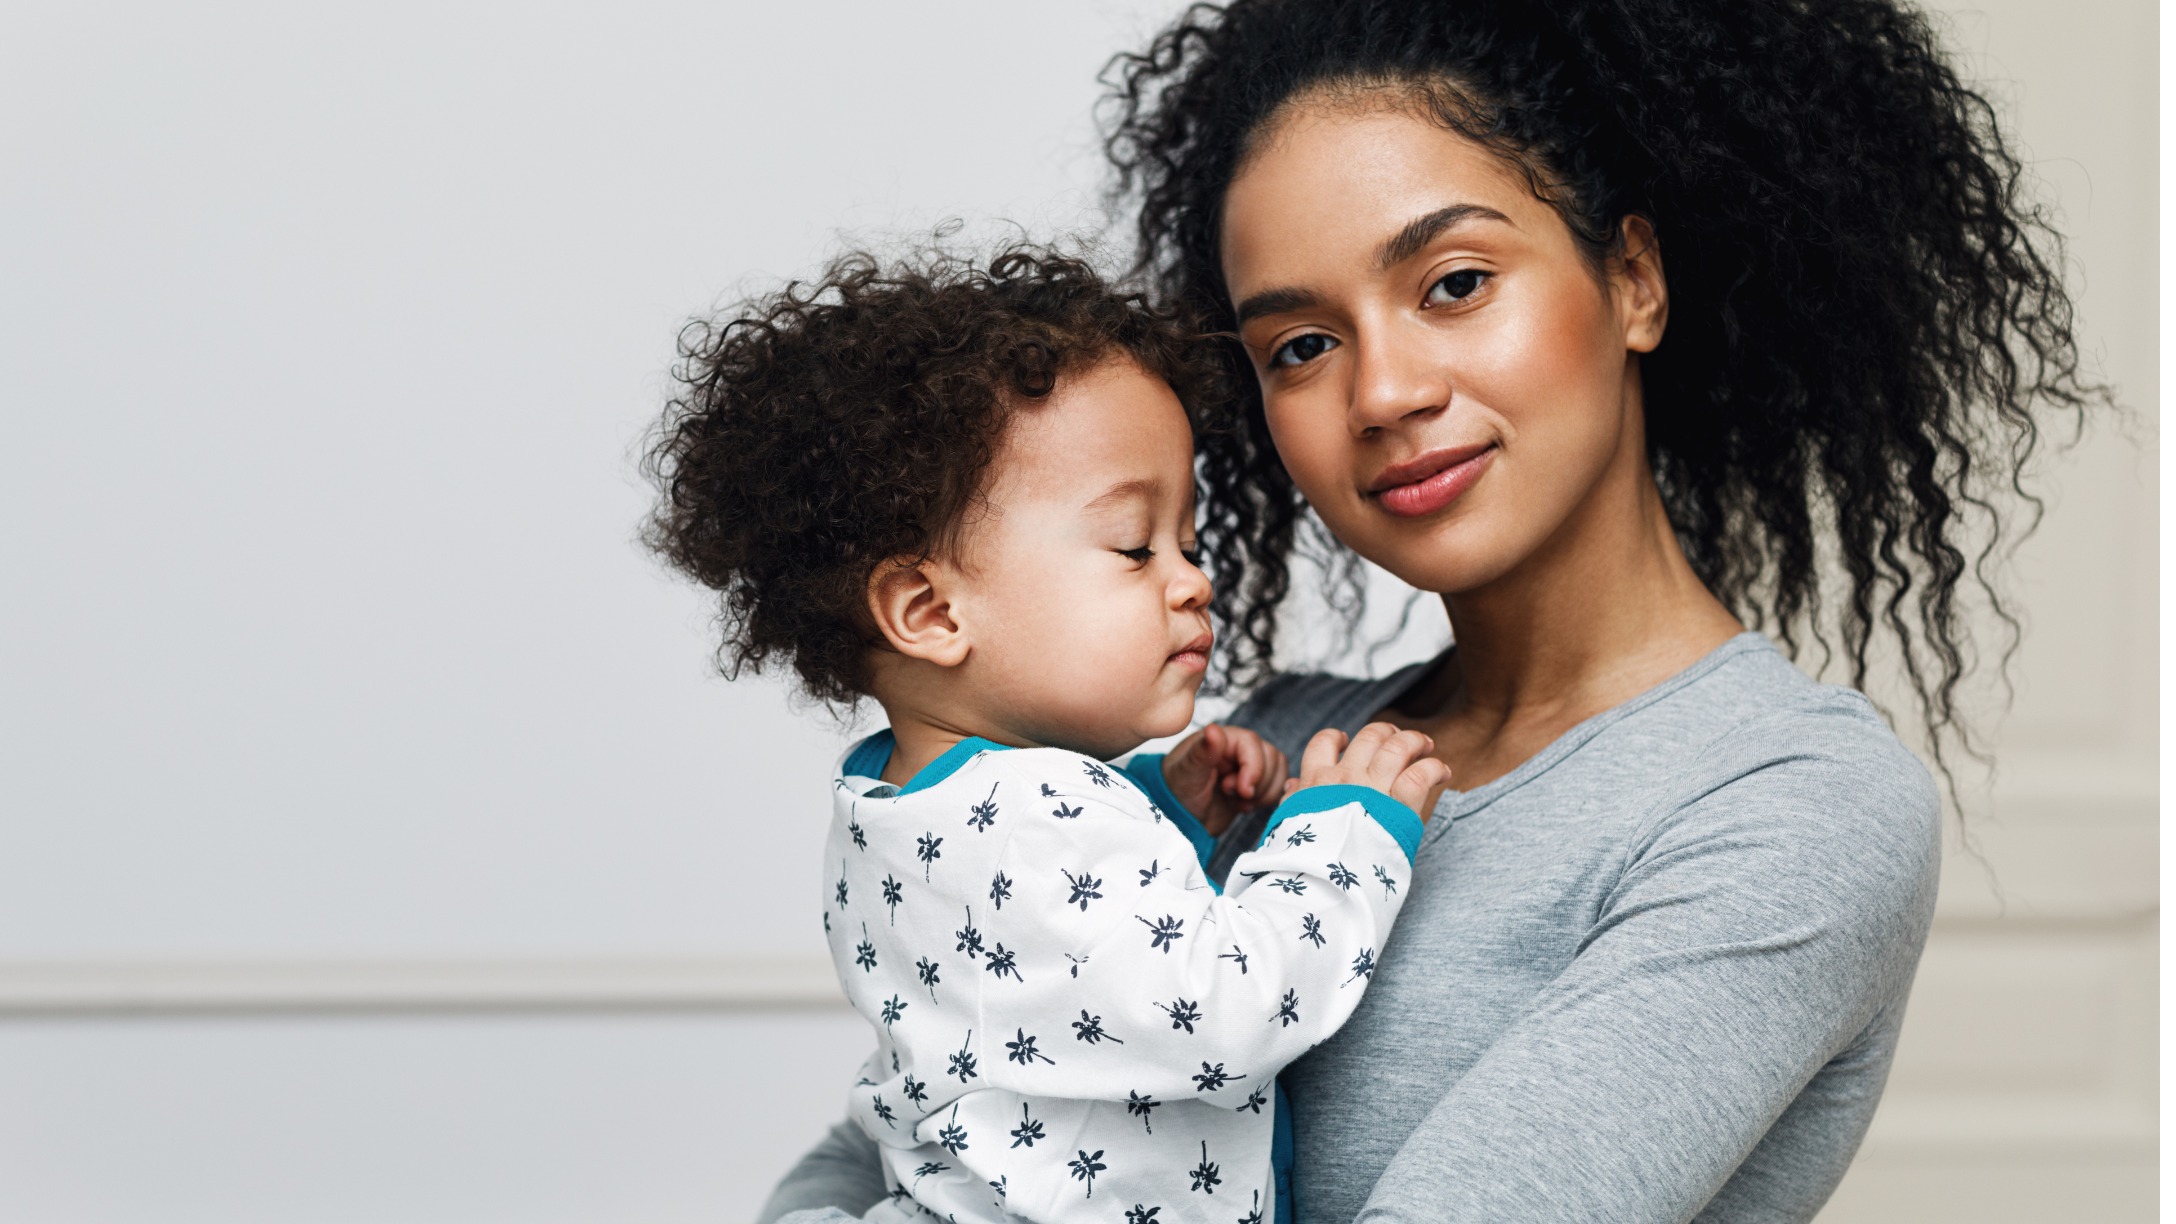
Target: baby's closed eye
<point x="1144" y="554"/>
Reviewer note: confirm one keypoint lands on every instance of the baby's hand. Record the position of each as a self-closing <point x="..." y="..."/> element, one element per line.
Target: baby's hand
<point x="1219" y="772"/>
<point x="1392" y="761"/>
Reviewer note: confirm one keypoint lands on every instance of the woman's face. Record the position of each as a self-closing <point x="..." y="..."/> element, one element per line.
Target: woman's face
<point x="1446" y="378"/>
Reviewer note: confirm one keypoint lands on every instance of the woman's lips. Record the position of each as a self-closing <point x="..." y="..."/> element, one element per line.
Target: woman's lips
<point x="1194" y="654"/>
<point x="1430" y="482"/>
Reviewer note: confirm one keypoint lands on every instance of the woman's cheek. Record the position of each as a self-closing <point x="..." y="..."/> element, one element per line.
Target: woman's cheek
<point x="1315" y="451"/>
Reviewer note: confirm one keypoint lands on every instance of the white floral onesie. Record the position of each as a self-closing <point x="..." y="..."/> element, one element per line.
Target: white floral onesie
<point x="1072" y="1023"/>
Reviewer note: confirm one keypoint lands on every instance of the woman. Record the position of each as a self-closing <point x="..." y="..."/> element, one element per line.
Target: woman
<point x="1619" y="325"/>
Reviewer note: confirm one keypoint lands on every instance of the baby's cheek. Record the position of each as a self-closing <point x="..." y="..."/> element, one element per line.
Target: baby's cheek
<point x="1112" y="664"/>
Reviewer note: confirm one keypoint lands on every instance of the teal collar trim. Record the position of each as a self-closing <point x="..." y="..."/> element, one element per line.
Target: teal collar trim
<point x="871" y="755"/>
<point x="949" y="763"/>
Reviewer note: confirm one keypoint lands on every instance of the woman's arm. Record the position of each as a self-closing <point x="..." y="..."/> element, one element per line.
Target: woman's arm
<point x="1757" y="933"/>
<point x="840" y="1171"/>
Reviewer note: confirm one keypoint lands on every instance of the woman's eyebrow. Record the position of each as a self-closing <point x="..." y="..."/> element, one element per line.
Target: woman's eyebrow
<point x="1422" y="230"/>
<point x="1275" y="301"/>
<point x="1398" y="248"/>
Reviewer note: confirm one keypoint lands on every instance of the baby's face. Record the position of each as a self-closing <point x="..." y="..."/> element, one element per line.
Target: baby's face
<point x="1088" y="625"/>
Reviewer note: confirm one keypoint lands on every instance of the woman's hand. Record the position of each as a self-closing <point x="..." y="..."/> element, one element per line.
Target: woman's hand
<point x="1219" y="772"/>
<point x="1394" y="762"/>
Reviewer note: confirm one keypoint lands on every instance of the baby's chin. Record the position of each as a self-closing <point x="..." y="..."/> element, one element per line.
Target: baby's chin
<point x="1109" y="742"/>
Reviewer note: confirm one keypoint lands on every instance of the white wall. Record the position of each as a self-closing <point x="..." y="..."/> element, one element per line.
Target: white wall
<point x="373" y="842"/>
<point x="327" y="339"/>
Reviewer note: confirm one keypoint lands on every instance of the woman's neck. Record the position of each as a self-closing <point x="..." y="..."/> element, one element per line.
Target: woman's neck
<point x="1605" y="610"/>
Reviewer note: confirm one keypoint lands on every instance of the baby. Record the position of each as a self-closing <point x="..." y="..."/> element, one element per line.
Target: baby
<point x="967" y="492"/>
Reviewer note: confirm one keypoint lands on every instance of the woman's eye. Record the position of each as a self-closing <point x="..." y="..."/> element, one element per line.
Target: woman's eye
<point x="1301" y="349"/>
<point x="1456" y="287"/>
<point x="1192" y="555"/>
<point x="1139" y="556"/>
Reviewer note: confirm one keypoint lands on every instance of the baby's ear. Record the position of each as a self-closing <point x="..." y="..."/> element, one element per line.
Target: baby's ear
<point x="910" y="601"/>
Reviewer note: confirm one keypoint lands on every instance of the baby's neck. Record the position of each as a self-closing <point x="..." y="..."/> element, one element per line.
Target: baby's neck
<point x="918" y="739"/>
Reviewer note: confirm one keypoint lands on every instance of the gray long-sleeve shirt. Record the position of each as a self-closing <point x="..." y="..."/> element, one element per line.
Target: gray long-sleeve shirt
<point x="1653" y="974"/>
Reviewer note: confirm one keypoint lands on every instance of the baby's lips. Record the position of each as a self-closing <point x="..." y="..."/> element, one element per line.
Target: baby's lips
<point x="1200" y="645"/>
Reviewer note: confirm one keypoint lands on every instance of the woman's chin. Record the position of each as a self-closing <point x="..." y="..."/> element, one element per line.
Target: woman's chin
<point x="1443" y="567"/>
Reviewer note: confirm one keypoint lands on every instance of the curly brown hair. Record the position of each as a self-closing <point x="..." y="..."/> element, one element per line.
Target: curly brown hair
<point x="1868" y="320"/>
<point x="836" y="425"/>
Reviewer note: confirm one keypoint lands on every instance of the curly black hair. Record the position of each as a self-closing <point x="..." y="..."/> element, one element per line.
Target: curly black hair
<point x="1866" y="310"/>
<point x="838" y="425"/>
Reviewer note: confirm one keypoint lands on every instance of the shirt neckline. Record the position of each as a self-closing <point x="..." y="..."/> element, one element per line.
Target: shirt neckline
<point x="868" y="759"/>
<point x="1457" y="804"/>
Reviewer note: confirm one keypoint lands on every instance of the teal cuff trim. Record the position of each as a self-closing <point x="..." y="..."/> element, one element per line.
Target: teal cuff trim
<point x="869" y="757"/>
<point x="949" y="762"/>
<point x="1397" y="819"/>
<point x="1146" y="770"/>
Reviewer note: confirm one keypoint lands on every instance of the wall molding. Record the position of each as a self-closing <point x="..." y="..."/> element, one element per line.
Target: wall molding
<point x="177" y="986"/>
<point x="252" y="987"/>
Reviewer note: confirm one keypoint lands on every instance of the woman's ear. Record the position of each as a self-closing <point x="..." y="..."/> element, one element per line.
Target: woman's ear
<point x="1643" y="296"/>
<point x="910" y="601"/>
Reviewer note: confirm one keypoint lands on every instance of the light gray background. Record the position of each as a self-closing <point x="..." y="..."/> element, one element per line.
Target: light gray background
<point x="374" y="844"/>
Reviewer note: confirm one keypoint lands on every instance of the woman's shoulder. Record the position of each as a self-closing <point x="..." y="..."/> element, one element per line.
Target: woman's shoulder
<point x="1804" y="775"/>
<point x="1757" y="710"/>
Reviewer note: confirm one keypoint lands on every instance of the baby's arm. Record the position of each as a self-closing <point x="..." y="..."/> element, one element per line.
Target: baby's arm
<point x="1115" y="973"/>
<point x="1214" y="774"/>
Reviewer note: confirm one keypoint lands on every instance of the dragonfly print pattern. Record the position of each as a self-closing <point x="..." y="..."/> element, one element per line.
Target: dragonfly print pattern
<point x="1067" y="1011"/>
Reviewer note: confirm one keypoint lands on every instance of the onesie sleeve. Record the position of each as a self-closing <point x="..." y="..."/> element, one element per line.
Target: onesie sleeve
<point x="1113" y="973"/>
<point x="1146" y="770"/>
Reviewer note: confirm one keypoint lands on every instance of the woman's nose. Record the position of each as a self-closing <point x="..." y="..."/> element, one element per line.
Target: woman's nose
<point x="1394" y="382"/>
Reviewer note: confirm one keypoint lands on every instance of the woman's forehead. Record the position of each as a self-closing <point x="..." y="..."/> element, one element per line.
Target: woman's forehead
<point x="1336" y="185"/>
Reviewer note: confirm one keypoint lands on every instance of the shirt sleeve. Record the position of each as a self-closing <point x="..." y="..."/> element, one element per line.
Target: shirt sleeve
<point x="842" y="1171"/>
<point x="1757" y="933"/>
<point x="1146" y="770"/>
<point x="1110" y="973"/>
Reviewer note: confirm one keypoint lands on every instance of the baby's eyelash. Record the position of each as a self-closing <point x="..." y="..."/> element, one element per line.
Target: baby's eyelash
<point x="1144" y="554"/>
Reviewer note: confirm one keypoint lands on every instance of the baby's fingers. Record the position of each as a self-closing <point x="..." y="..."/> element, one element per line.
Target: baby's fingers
<point x="1275" y="774"/>
<point x="1420" y="784"/>
<point x="1215" y="745"/>
<point x="1366" y="745"/>
<point x="1253" y="777"/>
<point x="1245" y="768"/>
<point x="1397" y="752"/>
<point x="1322" y="752"/>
